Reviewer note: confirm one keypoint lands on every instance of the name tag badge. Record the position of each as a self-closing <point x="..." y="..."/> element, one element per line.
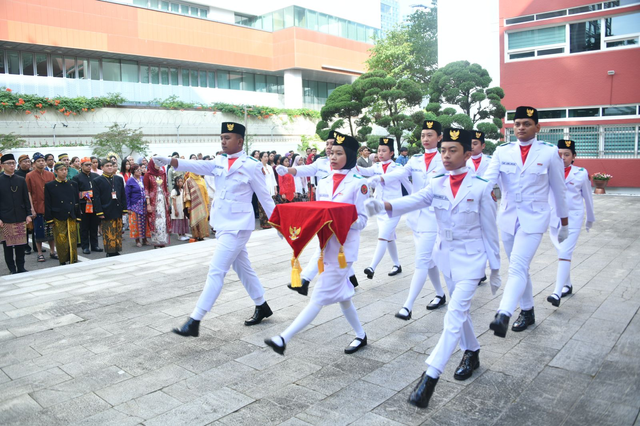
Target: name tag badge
<point x="114" y="196"/>
<point x="571" y="183"/>
<point x="440" y="197"/>
<point x="470" y="200"/>
<point x="506" y="163"/>
<point x="540" y="164"/>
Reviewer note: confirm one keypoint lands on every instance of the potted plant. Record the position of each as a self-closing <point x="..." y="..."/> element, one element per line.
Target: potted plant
<point x="600" y="181"/>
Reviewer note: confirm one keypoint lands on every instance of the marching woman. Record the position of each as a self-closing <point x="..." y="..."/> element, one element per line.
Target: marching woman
<point x="578" y="186"/>
<point x="386" y="225"/>
<point x="342" y="185"/>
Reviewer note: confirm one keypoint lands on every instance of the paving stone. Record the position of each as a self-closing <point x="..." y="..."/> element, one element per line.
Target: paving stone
<point x="589" y="410"/>
<point x="32" y="383"/>
<point x="398" y="373"/>
<point x="580" y="357"/>
<point x="109" y="417"/>
<point x="18" y="407"/>
<point x="148" y="406"/>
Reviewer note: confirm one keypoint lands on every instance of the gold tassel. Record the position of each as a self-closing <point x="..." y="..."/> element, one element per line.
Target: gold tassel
<point x="342" y="260"/>
<point x="295" y="273"/>
<point x="321" y="262"/>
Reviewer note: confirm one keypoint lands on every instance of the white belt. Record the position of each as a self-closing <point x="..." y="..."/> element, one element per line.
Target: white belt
<point x="450" y="235"/>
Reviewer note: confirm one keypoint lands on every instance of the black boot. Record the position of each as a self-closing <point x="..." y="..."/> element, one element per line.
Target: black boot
<point x="303" y="290"/>
<point x="354" y="281"/>
<point x="525" y="319"/>
<point x="500" y="325"/>
<point x="470" y="361"/>
<point x="422" y="392"/>
<point x="191" y="328"/>
<point x="263" y="311"/>
<point x="369" y="272"/>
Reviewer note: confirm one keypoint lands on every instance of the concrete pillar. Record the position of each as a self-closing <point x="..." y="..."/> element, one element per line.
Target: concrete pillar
<point x="293" y="89"/>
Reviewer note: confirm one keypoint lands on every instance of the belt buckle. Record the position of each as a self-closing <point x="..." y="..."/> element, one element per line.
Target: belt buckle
<point x="448" y="235"/>
<point x="518" y="197"/>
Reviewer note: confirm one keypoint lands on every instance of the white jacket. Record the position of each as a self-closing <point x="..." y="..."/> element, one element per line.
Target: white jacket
<point x="578" y="196"/>
<point x="388" y="190"/>
<point x="482" y="168"/>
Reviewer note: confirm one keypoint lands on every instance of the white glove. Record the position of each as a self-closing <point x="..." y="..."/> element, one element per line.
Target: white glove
<point x="374" y="182"/>
<point x="495" y="281"/>
<point x="163" y="161"/>
<point x="563" y="233"/>
<point x="281" y="170"/>
<point x="588" y="225"/>
<point x="373" y="206"/>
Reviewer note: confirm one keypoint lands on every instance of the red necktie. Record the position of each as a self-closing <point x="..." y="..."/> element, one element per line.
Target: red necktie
<point x="231" y="161"/>
<point x="524" y="151"/>
<point x="476" y="161"/>
<point x="456" y="181"/>
<point x="385" y="167"/>
<point x="566" y="171"/>
<point x="337" y="178"/>
<point x="427" y="159"/>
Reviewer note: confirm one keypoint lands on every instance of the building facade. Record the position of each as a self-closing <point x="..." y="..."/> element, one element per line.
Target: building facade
<point x="577" y="62"/>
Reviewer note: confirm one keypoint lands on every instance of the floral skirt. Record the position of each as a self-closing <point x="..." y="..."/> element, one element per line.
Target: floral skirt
<point x="138" y="226"/>
<point x="112" y="235"/>
<point x="66" y="235"/>
<point x="14" y="234"/>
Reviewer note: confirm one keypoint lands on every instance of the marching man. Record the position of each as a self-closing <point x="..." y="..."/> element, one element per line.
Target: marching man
<point x="527" y="169"/>
<point x="467" y="239"/>
<point x="237" y="178"/>
<point x="478" y="161"/>
<point x="578" y="185"/>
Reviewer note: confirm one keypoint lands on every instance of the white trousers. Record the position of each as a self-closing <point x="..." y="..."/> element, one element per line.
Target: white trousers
<point x="565" y="249"/>
<point x="311" y="270"/>
<point x="457" y="324"/>
<point x="424" y="242"/>
<point x="520" y="249"/>
<point x="230" y="252"/>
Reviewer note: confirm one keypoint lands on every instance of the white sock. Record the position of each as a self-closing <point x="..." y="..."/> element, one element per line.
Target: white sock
<point x="562" y="276"/>
<point x="417" y="282"/>
<point x="259" y="301"/>
<point x="278" y="340"/>
<point x="393" y="252"/>
<point x="434" y="276"/>
<point x="381" y="248"/>
<point x="305" y="317"/>
<point x="432" y="372"/>
<point x="198" y="314"/>
<point x="351" y="315"/>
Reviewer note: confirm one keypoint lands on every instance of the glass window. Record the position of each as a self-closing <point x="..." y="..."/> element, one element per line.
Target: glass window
<point x="184" y="9"/>
<point x="211" y="79"/>
<point x="204" y="13"/>
<point x="522" y="55"/>
<point x="334" y="29"/>
<point x="164" y="76"/>
<point x="584" y="112"/>
<point x="344" y="28"/>
<point x="195" y="11"/>
<point x="143" y="3"/>
<point x="620" y="110"/>
<point x="519" y="19"/>
<point x="267" y="22"/>
<point x="587" y="140"/>
<point x="323" y="23"/>
<point x="56" y="64"/>
<point x="618" y="3"/>
<point x="272" y="84"/>
<point x="164" y="5"/>
<point x="14" y="63"/>
<point x="548" y="15"/>
<point x="322" y="89"/>
<point x="330" y="88"/>
<point x="154" y="75"/>
<point x="41" y="63"/>
<point x="622" y="25"/>
<point x="288" y="17"/>
<point x="194" y="78"/>
<point x="248" y="82"/>
<point x="550" y="135"/>
<point x="584" y="36"/>
<point x="281" y="85"/>
<point x="618" y="43"/>
<point x="299" y="17"/>
<point x="511" y="115"/>
<point x="278" y="20"/>
<point x="111" y="70"/>
<point x="153" y="4"/>
<point x="555" y="113"/>
<point x="144" y="74"/>
<point x="70" y="66"/>
<point x="1" y="61"/>
<point x="174" y="76"/>
<point x="83" y="68"/>
<point x="95" y="69"/>
<point x="353" y="31"/>
<point x="175" y="7"/>
<point x="551" y="51"/>
<point x="619" y="141"/>
<point x="235" y="81"/>
<point x="261" y="83"/>
<point x="27" y="63"/>
<point x="203" y="78"/>
<point x="185" y="77"/>
<point x="312" y="20"/>
<point x="223" y="79"/>
<point x="535" y="38"/>
<point x="583" y="9"/>
<point x="130" y="71"/>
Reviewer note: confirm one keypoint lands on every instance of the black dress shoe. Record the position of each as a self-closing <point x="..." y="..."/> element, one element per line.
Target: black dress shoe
<point x="97" y="249"/>
<point x="303" y="290"/>
<point x="86" y="251"/>
<point x="483" y="279"/>
<point x="276" y="348"/>
<point x="355" y="348"/>
<point x="395" y="270"/>
<point x="470" y="361"/>
<point x="525" y="319"/>
<point x="354" y="281"/>
<point x="435" y="304"/>
<point x="403" y="316"/>
<point x="263" y="311"/>
<point x="21" y="270"/>
<point x="369" y="272"/>
<point x="500" y="324"/>
<point x="567" y="290"/>
<point x="422" y="392"/>
<point x="190" y="328"/>
<point x="28" y="251"/>
<point x="554" y="299"/>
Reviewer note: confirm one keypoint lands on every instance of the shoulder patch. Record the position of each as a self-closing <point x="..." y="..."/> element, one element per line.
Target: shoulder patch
<point x="364" y="189"/>
<point x="440" y="175"/>
<point x="548" y="144"/>
<point x="488" y="156"/>
<point x="581" y="169"/>
<point x="484" y="180"/>
<point x="504" y="144"/>
<point x="254" y="159"/>
<point x="224" y="155"/>
<point x="357" y="176"/>
<point x="417" y="155"/>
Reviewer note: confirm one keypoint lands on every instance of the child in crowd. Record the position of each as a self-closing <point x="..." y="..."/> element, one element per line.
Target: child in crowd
<point x="179" y="223"/>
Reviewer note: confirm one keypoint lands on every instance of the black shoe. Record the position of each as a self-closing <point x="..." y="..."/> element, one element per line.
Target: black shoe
<point x="500" y="324"/>
<point x="97" y="249"/>
<point x="470" y="361"/>
<point x="303" y="290"/>
<point x="568" y="291"/>
<point x="483" y="279"/>
<point x="276" y="348"/>
<point x="21" y="270"/>
<point x="554" y="299"/>
<point x="435" y="304"/>
<point x="422" y="392"/>
<point x="190" y="328"/>
<point x="53" y="256"/>
<point x="353" y="349"/>
<point x="263" y="311"/>
<point x="26" y="252"/>
<point x="86" y="251"/>
<point x="525" y="319"/>
<point x="402" y="316"/>
<point x="354" y="281"/>
<point x="369" y="272"/>
<point x="395" y="270"/>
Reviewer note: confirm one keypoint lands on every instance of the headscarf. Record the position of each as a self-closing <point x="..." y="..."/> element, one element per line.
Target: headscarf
<point x="152" y="170"/>
<point x="37" y="156"/>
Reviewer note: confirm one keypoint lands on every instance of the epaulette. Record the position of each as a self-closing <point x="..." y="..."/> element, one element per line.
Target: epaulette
<point x="254" y="159"/>
<point x="358" y="176"/>
<point x="484" y="180"/>
<point x="224" y="155"/>
<point x="488" y="156"/>
<point x="417" y="155"/>
<point x="504" y="144"/>
<point x="549" y="144"/>
<point x="581" y="169"/>
<point x="438" y="176"/>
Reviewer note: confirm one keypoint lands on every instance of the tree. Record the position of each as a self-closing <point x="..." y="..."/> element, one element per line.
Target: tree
<point x="410" y="50"/>
<point x="344" y="107"/>
<point x="10" y="141"/>
<point x="120" y="140"/>
<point x="466" y="86"/>
<point x="390" y="101"/>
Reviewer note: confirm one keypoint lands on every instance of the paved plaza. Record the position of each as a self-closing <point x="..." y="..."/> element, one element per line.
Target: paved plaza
<point x="91" y="343"/>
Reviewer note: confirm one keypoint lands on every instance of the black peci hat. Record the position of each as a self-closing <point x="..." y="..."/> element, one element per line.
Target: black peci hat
<point x="230" y="127"/>
<point x="432" y="125"/>
<point x="388" y="142"/>
<point x="457" y="135"/>
<point x="567" y="144"/>
<point x="478" y="135"/>
<point x="526" y="112"/>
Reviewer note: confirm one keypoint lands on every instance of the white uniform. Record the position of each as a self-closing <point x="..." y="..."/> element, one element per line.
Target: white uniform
<point x="467" y="239"/>
<point x="525" y="211"/>
<point x="234" y="220"/>
<point x="482" y="167"/>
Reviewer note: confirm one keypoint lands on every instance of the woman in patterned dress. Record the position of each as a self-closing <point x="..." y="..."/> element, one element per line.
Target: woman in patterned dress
<point x="158" y="218"/>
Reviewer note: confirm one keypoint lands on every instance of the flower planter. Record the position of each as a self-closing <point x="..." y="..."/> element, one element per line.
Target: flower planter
<point x="599" y="184"/>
